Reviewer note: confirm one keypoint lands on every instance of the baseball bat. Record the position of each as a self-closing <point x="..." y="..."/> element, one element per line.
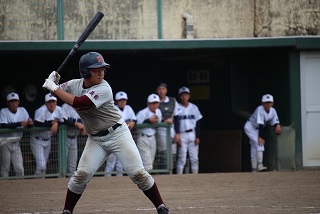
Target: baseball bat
<point x="84" y="35"/>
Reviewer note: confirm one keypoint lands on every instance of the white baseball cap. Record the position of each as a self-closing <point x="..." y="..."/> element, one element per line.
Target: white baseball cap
<point x="12" y="96"/>
<point x="184" y="90"/>
<point x="153" y="98"/>
<point x="267" y="98"/>
<point x="30" y="91"/>
<point x="49" y="97"/>
<point x="121" y="95"/>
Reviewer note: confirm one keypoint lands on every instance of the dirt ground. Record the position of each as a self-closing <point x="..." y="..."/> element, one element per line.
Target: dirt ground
<point x="266" y="192"/>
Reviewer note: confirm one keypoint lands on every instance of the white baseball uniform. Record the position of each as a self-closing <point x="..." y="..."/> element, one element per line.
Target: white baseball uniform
<point x="188" y="118"/>
<point x="251" y="128"/>
<point x="40" y="141"/>
<point x="146" y="139"/>
<point x="70" y="114"/>
<point x="11" y="152"/>
<point x="103" y="139"/>
<point x="127" y="114"/>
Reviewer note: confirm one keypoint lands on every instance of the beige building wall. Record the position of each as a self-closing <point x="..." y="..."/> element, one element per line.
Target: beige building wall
<point x="127" y="19"/>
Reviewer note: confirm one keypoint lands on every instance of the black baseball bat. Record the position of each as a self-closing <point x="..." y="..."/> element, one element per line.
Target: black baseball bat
<point x="84" y="35"/>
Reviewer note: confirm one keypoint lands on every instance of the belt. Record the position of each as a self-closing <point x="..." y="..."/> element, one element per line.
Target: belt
<point x="105" y="132"/>
<point x="44" y="139"/>
<point x="146" y="135"/>
<point x="71" y="137"/>
<point x="189" y="130"/>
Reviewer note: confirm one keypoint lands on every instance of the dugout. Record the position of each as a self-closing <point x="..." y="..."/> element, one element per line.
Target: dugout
<point x="227" y="78"/>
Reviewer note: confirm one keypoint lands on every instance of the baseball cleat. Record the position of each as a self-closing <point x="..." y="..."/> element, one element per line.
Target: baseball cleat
<point x="66" y="212"/>
<point x="163" y="210"/>
<point x="262" y="168"/>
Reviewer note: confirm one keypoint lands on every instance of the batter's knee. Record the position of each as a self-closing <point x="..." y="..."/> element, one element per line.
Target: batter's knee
<point x="141" y="177"/>
<point x="78" y="181"/>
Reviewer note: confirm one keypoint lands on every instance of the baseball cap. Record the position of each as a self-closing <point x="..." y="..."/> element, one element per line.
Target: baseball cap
<point x="163" y="84"/>
<point x="184" y="90"/>
<point x="121" y="95"/>
<point x="30" y="92"/>
<point x="50" y="97"/>
<point x="12" y="96"/>
<point x="267" y="98"/>
<point x="153" y="98"/>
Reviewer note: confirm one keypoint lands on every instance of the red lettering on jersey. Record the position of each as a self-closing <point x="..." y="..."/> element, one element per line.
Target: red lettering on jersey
<point x="96" y="96"/>
<point x="64" y="84"/>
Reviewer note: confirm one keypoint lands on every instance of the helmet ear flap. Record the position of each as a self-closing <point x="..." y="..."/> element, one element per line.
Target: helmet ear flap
<point x="85" y="73"/>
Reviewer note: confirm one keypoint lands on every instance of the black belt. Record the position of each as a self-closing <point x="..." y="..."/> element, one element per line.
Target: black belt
<point x="146" y="135"/>
<point x="189" y="130"/>
<point x="44" y="139"/>
<point x="71" y="137"/>
<point x="105" y="132"/>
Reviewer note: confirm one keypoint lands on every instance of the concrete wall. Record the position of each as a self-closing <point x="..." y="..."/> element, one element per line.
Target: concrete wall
<point x="126" y="19"/>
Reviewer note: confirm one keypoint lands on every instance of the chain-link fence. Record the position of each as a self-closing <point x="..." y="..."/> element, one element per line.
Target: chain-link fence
<point x="33" y="157"/>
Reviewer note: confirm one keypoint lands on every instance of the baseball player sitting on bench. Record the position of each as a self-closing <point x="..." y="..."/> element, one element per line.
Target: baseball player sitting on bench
<point x="107" y="132"/>
<point x="263" y="115"/>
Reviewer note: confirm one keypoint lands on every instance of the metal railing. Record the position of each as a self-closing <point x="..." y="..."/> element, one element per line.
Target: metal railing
<point x="57" y="161"/>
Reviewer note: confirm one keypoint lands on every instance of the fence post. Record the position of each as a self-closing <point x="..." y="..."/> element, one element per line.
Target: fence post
<point x="62" y="151"/>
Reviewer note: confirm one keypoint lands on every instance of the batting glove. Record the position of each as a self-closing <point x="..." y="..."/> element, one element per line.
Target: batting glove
<point x="50" y="85"/>
<point x="55" y="77"/>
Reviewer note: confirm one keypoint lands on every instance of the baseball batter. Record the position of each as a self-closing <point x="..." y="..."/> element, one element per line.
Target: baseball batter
<point x="107" y="132"/>
<point x="189" y="132"/>
<point x="129" y="117"/>
<point x="72" y="119"/>
<point x="146" y="140"/>
<point x="263" y="115"/>
<point x="13" y="117"/>
<point x="48" y="115"/>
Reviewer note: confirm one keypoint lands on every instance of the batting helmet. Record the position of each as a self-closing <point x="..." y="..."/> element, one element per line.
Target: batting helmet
<point x="91" y="60"/>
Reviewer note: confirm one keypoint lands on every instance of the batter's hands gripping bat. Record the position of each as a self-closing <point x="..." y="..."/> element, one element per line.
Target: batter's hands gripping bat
<point x="84" y="35"/>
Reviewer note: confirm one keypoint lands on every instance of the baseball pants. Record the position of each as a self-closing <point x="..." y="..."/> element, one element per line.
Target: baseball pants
<point x="72" y="154"/>
<point x="41" y="151"/>
<point x="147" y="147"/>
<point x="188" y="145"/>
<point x="11" y="153"/>
<point x="113" y="162"/>
<point x="96" y="151"/>
<point x="256" y="150"/>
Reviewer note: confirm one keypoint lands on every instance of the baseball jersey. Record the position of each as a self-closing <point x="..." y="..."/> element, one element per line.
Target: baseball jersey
<point x="145" y="114"/>
<point x="103" y="115"/>
<point x="127" y="113"/>
<point x="42" y="114"/>
<point x="189" y="116"/>
<point x="69" y="113"/>
<point x="6" y="116"/>
<point x="261" y="117"/>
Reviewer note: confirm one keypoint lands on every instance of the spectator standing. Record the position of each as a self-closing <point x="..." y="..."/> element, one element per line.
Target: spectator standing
<point x="48" y="115"/>
<point x="13" y="117"/>
<point x="129" y="117"/>
<point x="170" y="114"/>
<point x="73" y="120"/>
<point x="146" y="139"/>
<point x="263" y="115"/>
<point x="189" y="132"/>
